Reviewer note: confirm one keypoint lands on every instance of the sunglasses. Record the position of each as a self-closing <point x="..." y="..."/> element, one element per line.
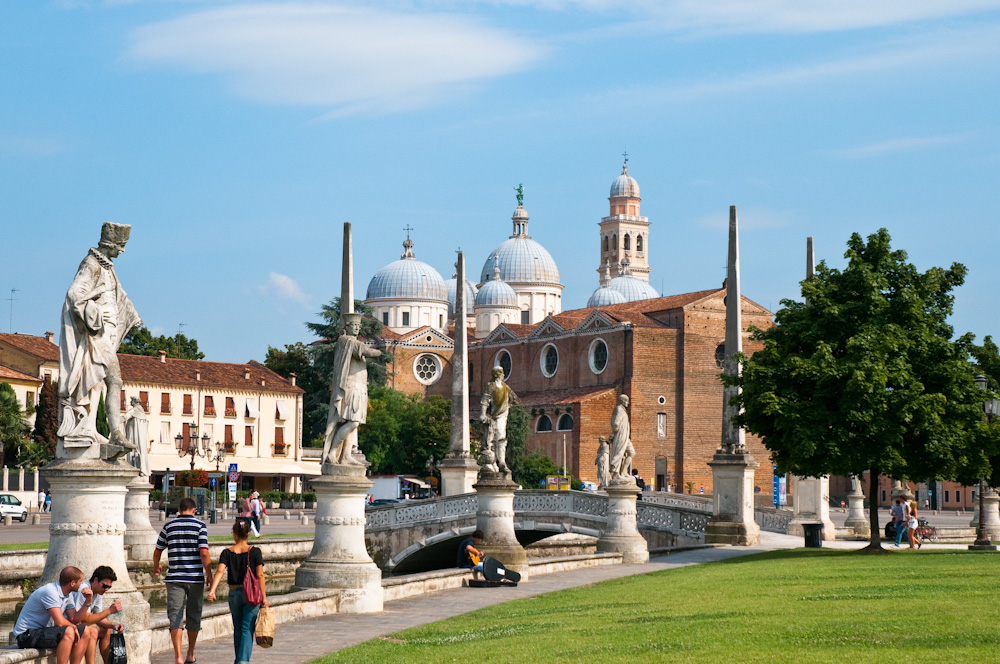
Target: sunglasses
<point x="106" y="585"/>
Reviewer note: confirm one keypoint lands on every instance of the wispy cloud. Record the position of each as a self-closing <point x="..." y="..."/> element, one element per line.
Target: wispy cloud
<point x="751" y="219"/>
<point x="284" y="287"/>
<point x="29" y="146"/>
<point x="901" y="144"/>
<point x="350" y="58"/>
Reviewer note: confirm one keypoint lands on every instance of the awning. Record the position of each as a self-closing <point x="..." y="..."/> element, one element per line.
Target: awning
<point x="252" y="407"/>
<point x="260" y="466"/>
<point x="282" y="409"/>
<point x="416" y="482"/>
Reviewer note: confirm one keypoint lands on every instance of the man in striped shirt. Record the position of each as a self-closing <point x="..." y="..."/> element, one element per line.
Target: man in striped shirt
<point x="189" y="570"/>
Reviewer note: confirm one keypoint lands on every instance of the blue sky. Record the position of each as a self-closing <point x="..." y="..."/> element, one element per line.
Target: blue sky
<point x="236" y="138"/>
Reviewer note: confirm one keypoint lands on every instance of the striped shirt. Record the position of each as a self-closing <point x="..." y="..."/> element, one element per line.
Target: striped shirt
<point x="182" y="537"/>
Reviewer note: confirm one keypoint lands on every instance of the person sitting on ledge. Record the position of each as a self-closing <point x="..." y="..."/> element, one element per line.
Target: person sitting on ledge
<point x="88" y="608"/>
<point x="469" y="557"/>
<point x="42" y="625"/>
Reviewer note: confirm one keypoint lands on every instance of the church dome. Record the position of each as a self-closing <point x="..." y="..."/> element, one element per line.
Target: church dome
<point x="521" y="259"/>
<point x="633" y="288"/>
<point x="496" y="293"/>
<point x="407" y="279"/>
<point x="624" y="185"/>
<point x="470" y="295"/>
<point x="605" y="296"/>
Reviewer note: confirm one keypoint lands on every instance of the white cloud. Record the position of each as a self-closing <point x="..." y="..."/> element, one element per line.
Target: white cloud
<point x="751" y="219"/>
<point x="284" y="287"/>
<point x="902" y="144"/>
<point x="352" y="58"/>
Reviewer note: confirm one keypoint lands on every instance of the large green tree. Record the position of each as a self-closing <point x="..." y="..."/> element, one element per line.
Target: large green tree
<point x="328" y="330"/>
<point x="13" y="428"/>
<point x="297" y="358"/>
<point x="403" y="431"/>
<point x="864" y="375"/>
<point x="141" y="341"/>
<point x="47" y="417"/>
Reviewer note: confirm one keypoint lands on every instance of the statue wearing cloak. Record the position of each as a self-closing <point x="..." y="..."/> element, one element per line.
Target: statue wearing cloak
<point x="621" y="441"/>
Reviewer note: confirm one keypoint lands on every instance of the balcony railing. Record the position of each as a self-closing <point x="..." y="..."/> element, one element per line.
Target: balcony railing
<point x="279" y="449"/>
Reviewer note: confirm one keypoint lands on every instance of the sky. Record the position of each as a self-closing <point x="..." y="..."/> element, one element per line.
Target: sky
<point x="236" y="138"/>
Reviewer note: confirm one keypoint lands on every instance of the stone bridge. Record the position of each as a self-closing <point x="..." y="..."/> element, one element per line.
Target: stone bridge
<point x="422" y="535"/>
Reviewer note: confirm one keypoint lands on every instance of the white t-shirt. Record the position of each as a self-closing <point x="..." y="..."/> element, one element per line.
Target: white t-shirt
<point x="35" y="613"/>
<point x="76" y="600"/>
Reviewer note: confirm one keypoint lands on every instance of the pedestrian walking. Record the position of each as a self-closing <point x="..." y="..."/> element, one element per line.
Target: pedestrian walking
<point x="912" y="525"/>
<point x="900" y="519"/>
<point x="235" y="563"/>
<point x="189" y="570"/>
<point x="256" y="512"/>
<point x="41" y="500"/>
<point x="48" y="501"/>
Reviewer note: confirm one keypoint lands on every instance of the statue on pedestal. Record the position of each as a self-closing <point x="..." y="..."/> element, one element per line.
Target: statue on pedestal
<point x="602" y="461"/>
<point x="96" y="317"/>
<point x="495" y="407"/>
<point x="136" y="430"/>
<point x="348" y="394"/>
<point x="622" y="451"/>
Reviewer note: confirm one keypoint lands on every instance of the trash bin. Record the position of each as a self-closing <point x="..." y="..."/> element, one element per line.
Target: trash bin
<point x="813" y="533"/>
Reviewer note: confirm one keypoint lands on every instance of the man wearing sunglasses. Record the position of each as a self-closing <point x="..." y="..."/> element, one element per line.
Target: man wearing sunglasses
<point x="86" y="605"/>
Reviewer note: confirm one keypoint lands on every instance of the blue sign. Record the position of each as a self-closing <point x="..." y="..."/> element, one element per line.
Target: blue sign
<point x="233" y="476"/>
<point x="213" y="482"/>
<point x="776" y="490"/>
<point x="232" y="467"/>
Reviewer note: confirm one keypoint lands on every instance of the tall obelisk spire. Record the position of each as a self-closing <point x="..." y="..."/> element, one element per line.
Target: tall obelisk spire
<point x="347" y="276"/>
<point x="733" y="437"/>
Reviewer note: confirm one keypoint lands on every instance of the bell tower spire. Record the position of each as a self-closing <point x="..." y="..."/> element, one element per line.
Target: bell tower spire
<point x="624" y="232"/>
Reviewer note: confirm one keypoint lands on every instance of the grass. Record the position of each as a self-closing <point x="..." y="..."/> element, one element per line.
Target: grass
<point x="788" y="606"/>
<point x="18" y="546"/>
<point x="269" y="536"/>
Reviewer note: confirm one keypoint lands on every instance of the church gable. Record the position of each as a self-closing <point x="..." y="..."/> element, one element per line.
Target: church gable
<point x="597" y="320"/>
<point x="547" y="328"/>
<point x="427" y="336"/>
<point x="499" y="334"/>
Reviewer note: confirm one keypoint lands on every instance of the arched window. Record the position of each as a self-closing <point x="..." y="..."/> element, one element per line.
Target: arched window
<point x="598" y="356"/>
<point x="549" y="360"/>
<point x="638" y="244"/>
<point x="544" y="424"/>
<point x="503" y="361"/>
<point x="614" y="243"/>
<point x="626" y="240"/>
<point x="565" y="422"/>
<point x="606" y="244"/>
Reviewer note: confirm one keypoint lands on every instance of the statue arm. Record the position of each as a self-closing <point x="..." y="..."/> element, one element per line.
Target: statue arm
<point x="484" y="405"/>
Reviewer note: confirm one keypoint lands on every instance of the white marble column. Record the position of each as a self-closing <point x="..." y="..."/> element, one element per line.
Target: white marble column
<point x="495" y="517"/>
<point x="621" y="534"/>
<point x="991" y="503"/>
<point x="812" y="505"/>
<point x="140" y="537"/>
<point x="857" y="519"/>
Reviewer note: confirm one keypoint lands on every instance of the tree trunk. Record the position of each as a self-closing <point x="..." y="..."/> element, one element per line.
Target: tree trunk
<point x="875" y="543"/>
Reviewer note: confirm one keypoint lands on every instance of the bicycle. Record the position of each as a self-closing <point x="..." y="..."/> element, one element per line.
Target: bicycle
<point x="926" y="531"/>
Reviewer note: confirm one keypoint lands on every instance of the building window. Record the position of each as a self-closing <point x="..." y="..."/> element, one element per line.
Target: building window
<point x="720" y="355"/>
<point x="525" y="318"/>
<point x="549" y="361"/>
<point x="251" y="408"/>
<point x="627" y="241"/>
<point x="144" y="401"/>
<point x="164" y="403"/>
<point x="122" y="409"/>
<point x="565" y="422"/>
<point x="441" y="321"/>
<point x="406" y="319"/>
<point x="228" y="440"/>
<point x="947" y="496"/>
<point x="606" y="240"/>
<point x="280" y="410"/>
<point x="598" y="356"/>
<point x="248" y="435"/>
<point x="661" y="425"/>
<point x="638" y="244"/>
<point x="29" y="402"/>
<point x="614" y="243"/>
<point x="209" y="405"/>
<point x="186" y="433"/>
<point x="503" y="361"/>
<point x="427" y="368"/>
<point x="279" y="441"/>
<point x="187" y="404"/>
<point x="544" y="424"/>
<point x="385" y="318"/>
<point x="230" y="407"/>
<point x="165" y="433"/>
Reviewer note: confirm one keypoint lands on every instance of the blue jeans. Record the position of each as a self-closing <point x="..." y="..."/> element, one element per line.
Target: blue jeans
<point x="244" y="622"/>
<point x="900" y="531"/>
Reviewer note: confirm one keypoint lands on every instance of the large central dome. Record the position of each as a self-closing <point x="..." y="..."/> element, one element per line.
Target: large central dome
<point x="407" y="279"/>
<point x="521" y="259"/>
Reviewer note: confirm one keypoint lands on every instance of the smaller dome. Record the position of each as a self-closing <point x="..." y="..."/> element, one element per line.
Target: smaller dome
<point x="496" y="292"/>
<point x="470" y="295"/>
<point x="633" y="288"/>
<point x="520" y="213"/>
<point x="605" y="296"/>
<point x="624" y="185"/>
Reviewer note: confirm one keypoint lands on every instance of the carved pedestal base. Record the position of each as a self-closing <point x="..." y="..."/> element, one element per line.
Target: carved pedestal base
<point x="732" y="493"/>
<point x="339" y="558"/>
<point x="621" y="534"/>
<point x="140" y="537"/>
<point x="495" y="517"/>
<point x="992" y="510"/>
<point x="88" y="530"/>
<point x="857" y="519"/>
<point x="812" y="505"/>
<point x="458" y="475"/>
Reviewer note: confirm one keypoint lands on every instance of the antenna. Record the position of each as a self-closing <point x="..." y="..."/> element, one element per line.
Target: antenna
<point x="180" y="327"/>
<point x="11" y="299"/>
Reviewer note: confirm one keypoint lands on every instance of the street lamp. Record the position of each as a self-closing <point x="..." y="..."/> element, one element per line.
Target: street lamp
<point x="991" y="407"/>
<point x="193" y="447"/>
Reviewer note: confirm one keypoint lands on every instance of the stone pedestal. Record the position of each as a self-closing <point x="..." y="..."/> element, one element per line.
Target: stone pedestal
<point x="991" y="503"/>
<point x="621" y="534"/>
<point x="857" y="519"/>
<point x="495" y="517"/>
<point x="88" y="530"/>
<point x="339" y="558"/>
<point x="140" y="537"/>
<point x="812" y="505"/>
<point x="458" y="475"/>
<point x="732" y="495"/>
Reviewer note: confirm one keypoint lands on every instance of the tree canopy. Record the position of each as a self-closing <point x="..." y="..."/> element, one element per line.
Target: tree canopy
<point x="141" y="341"/>
<point x="47" y="418"/>
<point x="403" y="431"/>
<point x="865" y="376"/>
<point x="13" y="428"/>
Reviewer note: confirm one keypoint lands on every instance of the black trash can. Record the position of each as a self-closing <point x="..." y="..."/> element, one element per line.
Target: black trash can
<point x="813" y="534"/>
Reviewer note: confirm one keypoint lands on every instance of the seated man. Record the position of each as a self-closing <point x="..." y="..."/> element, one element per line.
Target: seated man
<point x="43" y="625"/>
<point x="88" y="609"/>
<point x="469" y="557"/>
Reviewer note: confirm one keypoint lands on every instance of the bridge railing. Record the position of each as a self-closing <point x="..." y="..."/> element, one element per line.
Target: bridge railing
<point x="418" y="511"/>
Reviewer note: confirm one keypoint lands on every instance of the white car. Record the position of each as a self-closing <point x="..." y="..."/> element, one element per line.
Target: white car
<point x="9" y="504"/>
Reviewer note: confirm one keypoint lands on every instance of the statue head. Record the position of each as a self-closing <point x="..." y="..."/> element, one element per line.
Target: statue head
<point x="113" y="238"/>
<point x="623" y="400"/>
<point x="135" y="401"/>
<point x="497" y="373"/>
<point x="602" y="440"/>
<point x="352" y="324"/>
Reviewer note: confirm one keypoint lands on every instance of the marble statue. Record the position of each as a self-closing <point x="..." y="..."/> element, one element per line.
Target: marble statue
<point x="96" y="317"/>
<point x="496" y="402"/>
<point x="136" y="431"/>
<point x="622" y="451"/>
<point x="348" y="394"/>
<point x="602" y="461"/>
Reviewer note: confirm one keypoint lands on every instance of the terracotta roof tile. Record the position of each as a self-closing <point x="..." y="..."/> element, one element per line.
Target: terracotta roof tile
<point x="147" y="369"/>
<point x="39" y="347"/>
<point x="518" y="329"/>
<point x="634" y="312"/>
<point x="558" y="397"/>
<point x="6" y="373"/>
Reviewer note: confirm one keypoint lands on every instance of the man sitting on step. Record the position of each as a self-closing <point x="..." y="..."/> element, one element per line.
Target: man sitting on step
<point x="43" y="625"/>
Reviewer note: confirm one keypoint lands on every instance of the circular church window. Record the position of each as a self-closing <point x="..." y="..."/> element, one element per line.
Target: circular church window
<point x="549" y="360"/>
<point x="427" y="369"/>
<point x="503" y="361"/>
<point x="598" y="356"/>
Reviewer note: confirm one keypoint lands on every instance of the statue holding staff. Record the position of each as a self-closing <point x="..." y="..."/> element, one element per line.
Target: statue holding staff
<point x="495" y="407"/>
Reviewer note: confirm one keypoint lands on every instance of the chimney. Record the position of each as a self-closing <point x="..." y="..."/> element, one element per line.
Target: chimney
<point x="197" y="374"/>
<point x="163" y="357"/>
<point x="49" y="336"/>
<point x="291" y="376"/>
<point x="246" y="373"/>
<point x="262" y="382"/>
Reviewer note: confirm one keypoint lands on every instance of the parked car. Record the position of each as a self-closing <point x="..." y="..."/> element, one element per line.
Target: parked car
<point x="10" y="504"/>
<point x="173" y="500"/>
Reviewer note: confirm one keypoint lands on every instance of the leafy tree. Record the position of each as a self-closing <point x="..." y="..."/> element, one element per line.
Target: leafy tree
<point x="102" y="418"/>
<point x="403" y="431"/>
<point x="328" y="330"/>
<point x="141" y="341"/>
<point x="47" y="417"/>
<point x="33" y="454"/>
<point x="987" y="358"/>
<point x="535" y="467"/>
<point x="297" y="359"/>
<point x="13" y="428"/>
<point x="865" y="376"/>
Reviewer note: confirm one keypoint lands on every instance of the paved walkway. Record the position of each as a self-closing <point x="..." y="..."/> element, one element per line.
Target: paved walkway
<point x="305" y="640"/>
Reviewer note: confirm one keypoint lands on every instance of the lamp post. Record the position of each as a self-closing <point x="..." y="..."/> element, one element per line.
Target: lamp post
<point x="991" y="407"/>
<point x="193" y="448"/>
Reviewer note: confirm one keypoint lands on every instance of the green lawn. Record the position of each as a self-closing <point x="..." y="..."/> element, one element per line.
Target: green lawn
<point x="787" y="606"/>
<point x="20" y="546"/>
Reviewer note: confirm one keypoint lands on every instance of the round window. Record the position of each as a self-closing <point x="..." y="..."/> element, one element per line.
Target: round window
<point x="598" y="356"/>
<point x="427" y="369"/>
<point x="549" y="360"/>
<point x="503" y="361"/>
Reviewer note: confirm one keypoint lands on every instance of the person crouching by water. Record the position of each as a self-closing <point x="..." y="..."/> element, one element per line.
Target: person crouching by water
<point x="233" y="563"/>
<point x="469" y="557"/>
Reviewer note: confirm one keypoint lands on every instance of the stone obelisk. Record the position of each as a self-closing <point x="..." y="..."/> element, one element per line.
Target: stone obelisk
<point x="812" y="494"/>
<point x="732" y="519"/>
<point x="458" y="468"/>
<point x="339" y="558"/>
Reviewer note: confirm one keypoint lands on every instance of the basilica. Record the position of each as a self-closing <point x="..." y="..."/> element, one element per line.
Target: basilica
<point x="568" y="367"/>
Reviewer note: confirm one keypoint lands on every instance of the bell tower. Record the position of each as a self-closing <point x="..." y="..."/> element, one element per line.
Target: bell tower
<point x="624" y="233"/>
